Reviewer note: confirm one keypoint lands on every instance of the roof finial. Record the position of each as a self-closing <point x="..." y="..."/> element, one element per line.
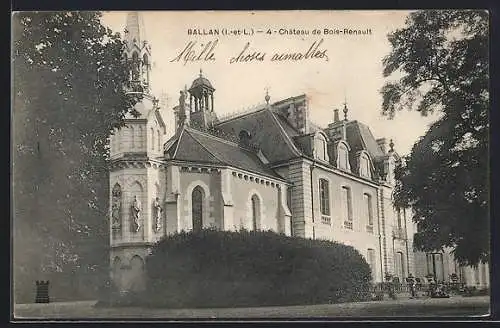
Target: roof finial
<point x="267" y="97"/>
<point x="345" y="111"/>
<point x="391" y="145"/>
<point x="201" y="72"/>
<point x="345" y="105"/>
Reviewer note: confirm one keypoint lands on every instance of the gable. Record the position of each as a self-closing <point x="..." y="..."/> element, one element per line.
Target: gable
<point x="190" y="149"/>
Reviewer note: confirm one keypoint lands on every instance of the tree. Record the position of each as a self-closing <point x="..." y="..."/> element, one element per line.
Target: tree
<point x="440" y="61"/>
<point x="69" y="93"/>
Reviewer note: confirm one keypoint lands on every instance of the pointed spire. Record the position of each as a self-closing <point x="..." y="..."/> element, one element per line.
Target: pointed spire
<point x="267" y="97"/>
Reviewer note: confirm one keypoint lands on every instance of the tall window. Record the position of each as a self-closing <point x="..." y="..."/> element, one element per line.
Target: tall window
<point x="400" y="265"/>
<point x="320" y="147"/>
<point x="159" y="139"/>
<point x="399" y="219"/>
<point x="343" y="157"/>
<point x="347" y="206"/>
<point x="324" y="196"/>
<point x="364" y="166"/>
<point x="152" y="139"/>
<point x="255" y="212"/>
<point x="197" y="208"/>
<point x="435" y="265"/>
<point x="367" y="198"/>
<point x="371" y="261"/>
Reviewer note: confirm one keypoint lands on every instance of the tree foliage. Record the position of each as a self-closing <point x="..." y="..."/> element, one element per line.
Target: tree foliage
<point x="440" y="61"/>
<point x="68" y="94"/>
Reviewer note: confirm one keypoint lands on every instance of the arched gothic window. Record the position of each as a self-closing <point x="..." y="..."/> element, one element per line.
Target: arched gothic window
<point x="137" y="273"/>
<point x="197" y="197"/>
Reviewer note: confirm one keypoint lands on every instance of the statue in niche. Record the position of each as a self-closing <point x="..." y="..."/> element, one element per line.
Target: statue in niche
<point x="116" y="208"/>
<point x="158" y="213"/>
<point x="136" y="212"/>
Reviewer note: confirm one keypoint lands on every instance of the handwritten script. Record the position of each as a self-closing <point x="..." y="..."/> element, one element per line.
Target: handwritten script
<point x="194" y="52"/>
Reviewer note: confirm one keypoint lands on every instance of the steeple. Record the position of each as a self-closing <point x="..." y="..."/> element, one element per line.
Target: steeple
<point x="138" y="53"/>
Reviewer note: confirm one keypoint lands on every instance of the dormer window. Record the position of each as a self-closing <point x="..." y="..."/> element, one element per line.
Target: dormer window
<point x="364" y="166"/>
<point x="343" y="157"/>
<point x="320" y="147"/>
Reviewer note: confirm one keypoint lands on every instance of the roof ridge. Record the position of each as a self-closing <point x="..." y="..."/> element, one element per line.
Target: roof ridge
<point x="241" y="114"/>
<point x="178" y="143"/>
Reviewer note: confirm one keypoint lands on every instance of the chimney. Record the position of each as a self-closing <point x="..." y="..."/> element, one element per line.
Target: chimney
<point x="382" y="144"/>
<point x="336" y="115"/>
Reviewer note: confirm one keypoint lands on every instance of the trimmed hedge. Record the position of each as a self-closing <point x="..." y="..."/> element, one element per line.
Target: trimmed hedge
<point x="227" y="269"/>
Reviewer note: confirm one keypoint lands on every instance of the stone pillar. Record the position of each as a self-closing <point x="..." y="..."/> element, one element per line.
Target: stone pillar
<point x="300" y="176"/>
<point x="228" y="209"/>
<point x="212" y="102"/>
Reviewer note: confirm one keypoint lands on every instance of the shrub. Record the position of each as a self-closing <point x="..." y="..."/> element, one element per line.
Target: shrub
<point x="225" y="269"/>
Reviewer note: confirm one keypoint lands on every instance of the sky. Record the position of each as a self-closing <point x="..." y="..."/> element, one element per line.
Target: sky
<point x="346" y="68"/>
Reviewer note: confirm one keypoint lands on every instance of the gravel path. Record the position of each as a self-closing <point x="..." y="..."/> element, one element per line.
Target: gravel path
<point x="409" y="308"/>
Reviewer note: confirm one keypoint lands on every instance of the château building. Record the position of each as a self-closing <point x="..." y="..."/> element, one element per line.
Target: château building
<point x="270" y="168"/>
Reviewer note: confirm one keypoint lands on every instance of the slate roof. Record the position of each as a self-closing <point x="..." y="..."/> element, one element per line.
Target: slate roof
<point x="359" y="137"/>
<point x="197" y="146"/>
<point x="266" y="131"/>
